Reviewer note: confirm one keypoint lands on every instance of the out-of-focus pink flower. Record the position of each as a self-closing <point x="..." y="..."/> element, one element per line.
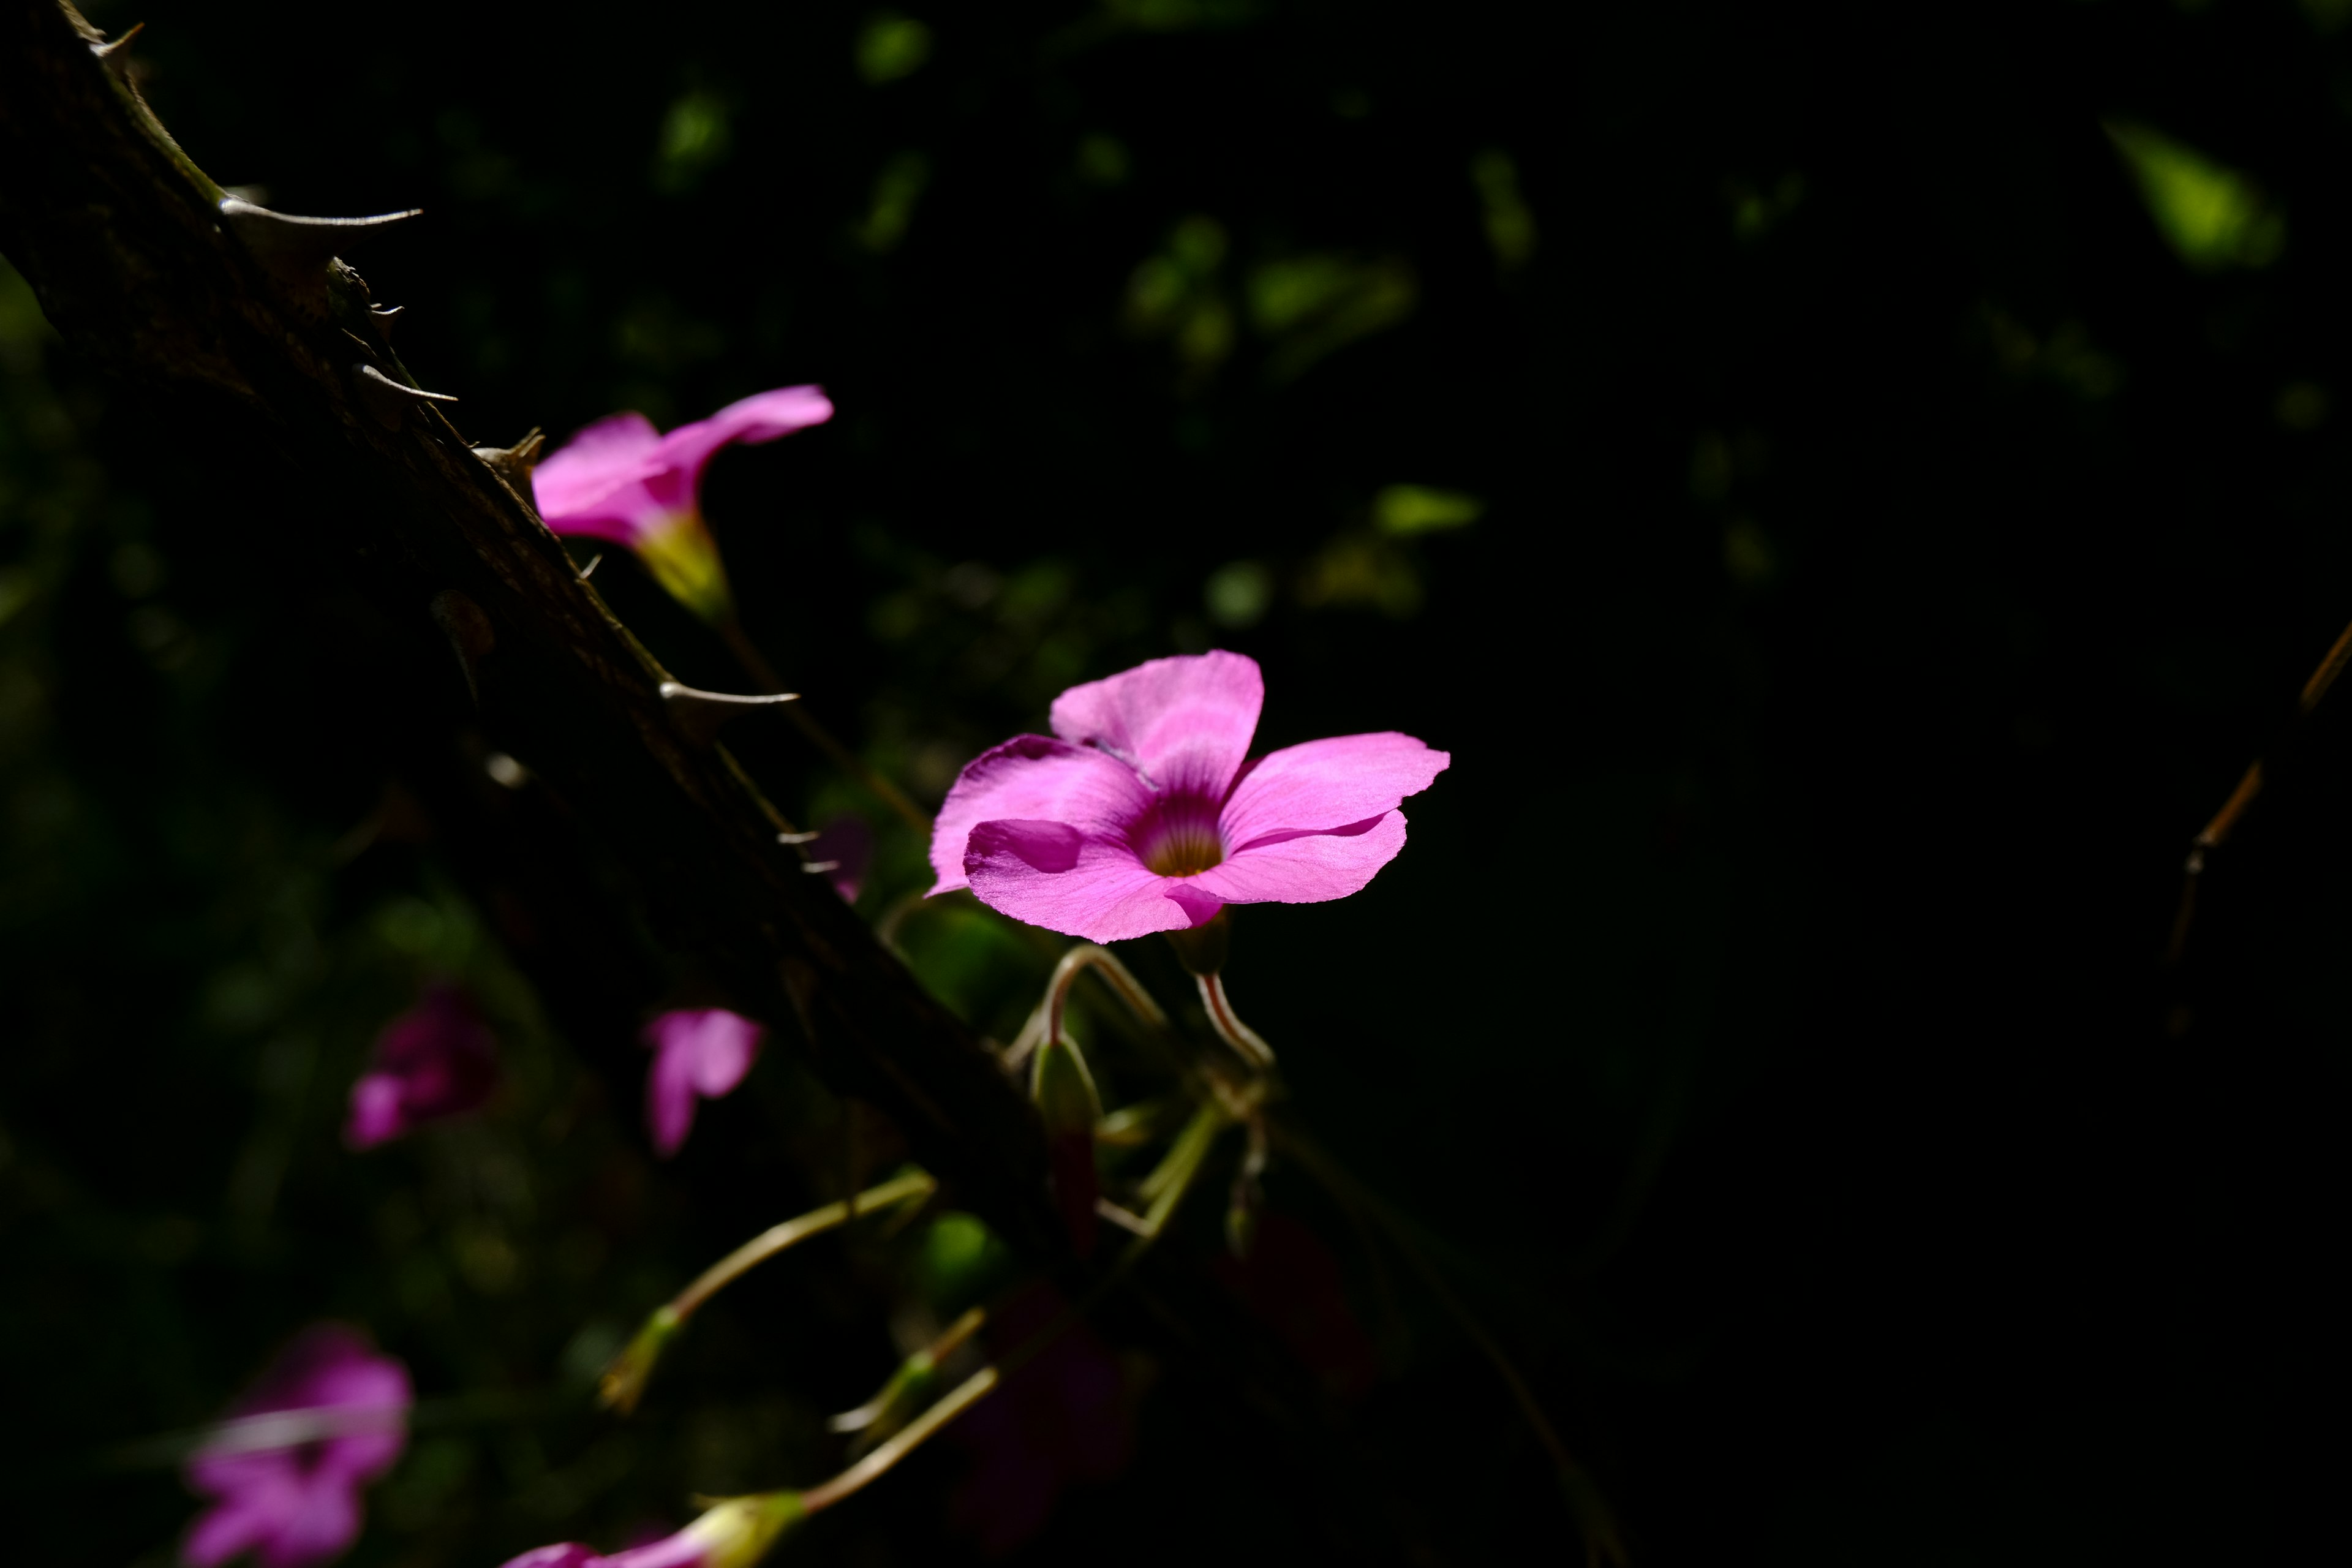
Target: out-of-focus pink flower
<point x="288" y="1489"/>
<point x="622" y="479"/>
<point x="845" y="847"/>
<point x="1144" y="811"/>
<point x="435" y="1061"/>
<point x="734" y="1533"/>
<point x="1060" y="1419"/>
<point x="1291" y="1282"/>
<point x="699" y="1053"/>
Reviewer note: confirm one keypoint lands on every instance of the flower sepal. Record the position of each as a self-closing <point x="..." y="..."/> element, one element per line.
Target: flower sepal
<point x="684" y="559"/>
<point x="736" y="1532"/>
<point x="1203" y="949"/>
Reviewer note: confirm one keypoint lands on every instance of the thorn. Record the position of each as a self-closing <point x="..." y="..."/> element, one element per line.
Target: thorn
<point x="796" y="838"/>
<point x="819" y="867"/>
<point x="468" y="629"/>
<point x="117" y="53"/>
<point x="296" y="250"/>
<point x="389" y="400"/>
<point x="385" y="317"/>
<point x="589" y="570"/>
<point x="700" y="714"/>
<point x="514" y="464"/>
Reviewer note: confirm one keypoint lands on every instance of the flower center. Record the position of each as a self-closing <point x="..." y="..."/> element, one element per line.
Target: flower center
<point x="1179" y="836"/>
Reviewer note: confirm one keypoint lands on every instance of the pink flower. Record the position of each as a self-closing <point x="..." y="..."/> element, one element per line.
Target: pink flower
<point x="1147" y="814"/>
<point x="698" y="1052"/>
<point x="289" y="1489"/>
<point x="734" y="1533"/>
<point x="433" y="1062"/>
<point x="622" y="479"/>
<point x="1061" y="1418"/>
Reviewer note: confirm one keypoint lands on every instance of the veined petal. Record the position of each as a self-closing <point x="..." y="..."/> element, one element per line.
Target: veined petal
<point x="1305" y="868"/>
<point x="577" y="479"/>
<point x="1324" y="784"/>
<point x="675" y="471"/>
<point x="1050" y="873"/>
<point x="1184" y="724"/>
<point x="1034" y="778"/>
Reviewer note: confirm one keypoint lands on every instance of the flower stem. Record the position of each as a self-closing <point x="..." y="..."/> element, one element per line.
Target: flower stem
<point x="763" y="674"/>
<point x="777" y="1238"/>
<point x="1244" y="1039"/>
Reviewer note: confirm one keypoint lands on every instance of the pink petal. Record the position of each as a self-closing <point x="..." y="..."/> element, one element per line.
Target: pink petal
<point x="577" y="485"/>
<point x="232" y="1527"/>
<point x="1327" y="784"/>
<point x="1050" y="874"/>
<point x="1032" y="778"/>
<point x="1184" y="724"/>
<point x="1305" y="868"/>
<point x="375" y="1111"/>
<point x="675" y="473"/>
<point x="669" y="1101"/>
<point x="568" y="1554"/>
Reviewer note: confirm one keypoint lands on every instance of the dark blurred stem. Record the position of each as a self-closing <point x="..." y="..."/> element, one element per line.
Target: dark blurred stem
<point x="1595" y="1519"/>
<point x="763" y="675"/>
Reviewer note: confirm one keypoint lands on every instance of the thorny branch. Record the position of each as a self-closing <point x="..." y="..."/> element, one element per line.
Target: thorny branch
<point x="150" y="269"/>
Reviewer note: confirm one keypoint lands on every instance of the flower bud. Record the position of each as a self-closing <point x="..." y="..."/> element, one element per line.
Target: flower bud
<point x="1066" y="1102"/>
<point x="624" y="1383"/>
<point x="736" y="1532"/>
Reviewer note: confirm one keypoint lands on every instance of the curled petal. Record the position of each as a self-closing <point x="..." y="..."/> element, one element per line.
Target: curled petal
<point x="1305" y="868"/>
<point x="1050" y="874"/>
<point x="1324" y="784"/>
<point x="674" y="473"/>
<point x="1184" y="724"/>
<point x="579" y="486"/>
<point x="1033" y="778"/>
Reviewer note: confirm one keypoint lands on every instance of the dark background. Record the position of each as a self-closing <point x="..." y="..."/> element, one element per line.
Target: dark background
<point x="1892" y="548"/>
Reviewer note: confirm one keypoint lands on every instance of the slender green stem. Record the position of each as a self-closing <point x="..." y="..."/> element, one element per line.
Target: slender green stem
<point x="1230" y="1029"/>
<point x="1182" y="1164"/>
<point x="763" y="673"/>
<point x="792" y="1232"/>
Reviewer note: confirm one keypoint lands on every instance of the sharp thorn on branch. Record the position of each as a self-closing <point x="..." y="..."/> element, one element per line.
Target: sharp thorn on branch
<point x="384" y="317"/>
<point x="795" y="837"/>
<point x="514" y="464"/>
<point x="296" y="250"/>
<point x="820" y="867"/>
<point x="391" y="400"/>
<point x="700" y="714"/>
<point x="117" y="53"/>
<point x="589" y="570"/>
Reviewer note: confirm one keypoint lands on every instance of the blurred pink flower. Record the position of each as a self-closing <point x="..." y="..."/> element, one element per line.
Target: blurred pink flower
<point x="622" y="479"/>
<point x="1060" y="1419"/>
<point x="845" y="846"/>
<point x="734" y="1533"/>
<point x="1146" y="812"/>
<point x="433" y="1062"/>
<point x="699" y="1053"/>
<point x="288" y="1491"/>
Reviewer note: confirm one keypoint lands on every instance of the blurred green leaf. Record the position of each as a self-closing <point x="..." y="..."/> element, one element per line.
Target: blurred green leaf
<point x="1402" y="511"/>
<point x="2210" y="213"/>
<point x="892" y="45"/>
